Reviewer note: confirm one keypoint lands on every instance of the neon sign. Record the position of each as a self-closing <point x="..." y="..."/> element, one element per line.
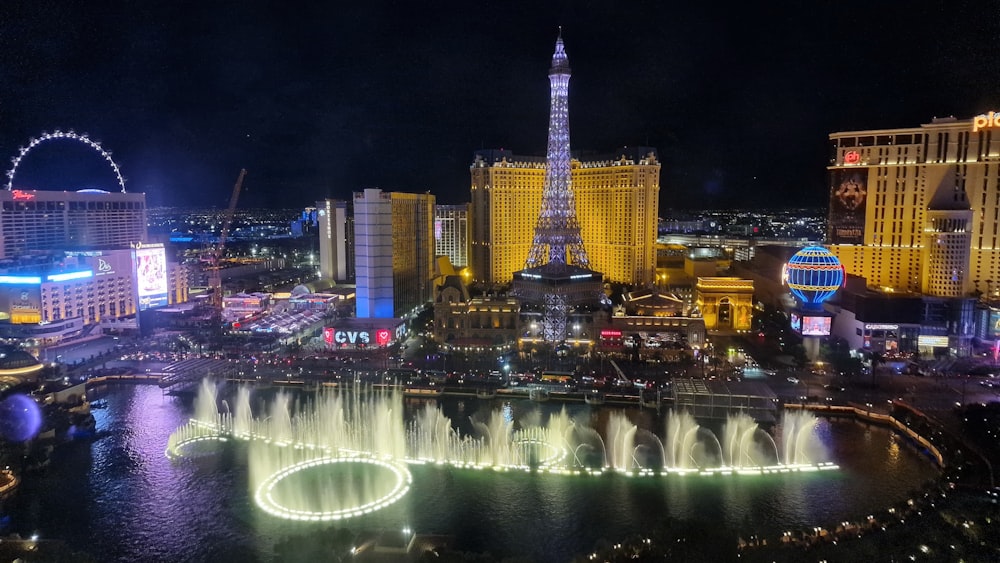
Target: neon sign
<point x="333" y="336"/>
<point x="350" y="336"/>
<point x="70" y="276"/>
<point x="5" y="279"/>
<point x="852" y="157"/>
<point x="880" y="326"/>
<point x="21" y="195"/>
<point x="985" y="121"/>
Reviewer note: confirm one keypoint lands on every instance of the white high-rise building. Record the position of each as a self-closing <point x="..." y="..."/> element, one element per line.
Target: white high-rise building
<point x="334" y="245"/>
<point x="373" y="253"/>
<point x="451" y="233"/>
<point x="394" y="252"/>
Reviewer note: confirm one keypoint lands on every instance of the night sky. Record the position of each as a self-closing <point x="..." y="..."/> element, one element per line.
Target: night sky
<point x="322" y="100"/>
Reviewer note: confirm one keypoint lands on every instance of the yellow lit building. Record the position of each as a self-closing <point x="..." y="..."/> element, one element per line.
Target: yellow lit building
<point x="726" y="303"/>
<point x="412" y="251"/>
<point x="617" y="199"/>
<point x="460" y="320"/>
<point x="918" y="209"/>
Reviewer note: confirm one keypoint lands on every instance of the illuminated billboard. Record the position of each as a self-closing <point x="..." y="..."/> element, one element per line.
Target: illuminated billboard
<point x="796" y="322"/>
<point x="927" y="341"/>
<point x="816" y="326"/>
<point x="334" y="337"/>
<point x="150" y="275"/>
<point x="848" y="199"/>
<point x="102" y="262"/>
<point x="994" y="330"/>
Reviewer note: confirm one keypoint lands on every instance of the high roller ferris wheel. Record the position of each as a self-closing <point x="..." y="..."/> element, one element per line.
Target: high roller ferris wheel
<point x="57" y="134"/>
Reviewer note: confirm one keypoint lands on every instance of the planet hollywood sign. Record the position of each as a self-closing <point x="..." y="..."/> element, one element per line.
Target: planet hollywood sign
<point x="985" y="121"/>
<point x="380" y="337"/>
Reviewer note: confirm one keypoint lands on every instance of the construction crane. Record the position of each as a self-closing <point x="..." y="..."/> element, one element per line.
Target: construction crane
<point x="215" y="273"/>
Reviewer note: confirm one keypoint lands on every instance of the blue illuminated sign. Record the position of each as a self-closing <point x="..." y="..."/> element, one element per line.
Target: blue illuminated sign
<point x="12" y="280"/>
<point x="70" y="276"/>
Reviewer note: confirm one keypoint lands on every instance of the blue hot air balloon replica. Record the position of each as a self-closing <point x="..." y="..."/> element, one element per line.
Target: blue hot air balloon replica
<point x="813" y="275"/>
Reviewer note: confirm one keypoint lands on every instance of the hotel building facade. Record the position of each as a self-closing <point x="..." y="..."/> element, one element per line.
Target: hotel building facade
<point x="336" y="244"/>
<point x="53" y="300"/>
<point x="617" y="201"/>
<point x="918" y="209"/>
<point x="451" y="234"/>
<point x="394" y="252"/>
<point x="73" y="259"/>
<point x="34" y="220"/>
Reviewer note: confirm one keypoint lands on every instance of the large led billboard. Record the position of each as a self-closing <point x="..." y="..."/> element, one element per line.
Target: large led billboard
<point x="928" y="341"/>
<point x="816" y="326"/>
<point x="994" y="329"/>
<point x="848" y="200"/>
<point x="150" y="275"/>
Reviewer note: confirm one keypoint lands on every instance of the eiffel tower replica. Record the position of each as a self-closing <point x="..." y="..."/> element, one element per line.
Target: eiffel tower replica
<point x="557" y="282"/>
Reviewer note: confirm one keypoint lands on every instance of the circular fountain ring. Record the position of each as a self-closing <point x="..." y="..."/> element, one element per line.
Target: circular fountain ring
<point x="266" y="501"/>
<point x="182" y="448"/>
<point x="555" y="455"/>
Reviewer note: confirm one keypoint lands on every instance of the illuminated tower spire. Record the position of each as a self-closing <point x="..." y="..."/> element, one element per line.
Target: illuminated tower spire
<point x="557" y="289"/>
<point x="557" y="231"/>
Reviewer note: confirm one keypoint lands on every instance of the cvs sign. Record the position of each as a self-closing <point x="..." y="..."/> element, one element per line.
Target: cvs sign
<point x="355" y="337"/>
<point x="337" y="337"/>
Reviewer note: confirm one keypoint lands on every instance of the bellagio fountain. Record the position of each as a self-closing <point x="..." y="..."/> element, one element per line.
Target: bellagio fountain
<point x="343" y="453"/>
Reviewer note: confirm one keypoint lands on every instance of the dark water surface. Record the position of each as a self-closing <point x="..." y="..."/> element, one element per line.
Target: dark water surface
<point x="119" y="498"/>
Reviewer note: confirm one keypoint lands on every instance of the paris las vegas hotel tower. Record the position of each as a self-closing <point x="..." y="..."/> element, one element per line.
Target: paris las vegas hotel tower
<point x="616" y="205"/>
<point x="918" y="209"/>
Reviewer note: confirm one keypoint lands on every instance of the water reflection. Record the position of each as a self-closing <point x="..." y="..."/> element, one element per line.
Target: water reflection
<point x="894" y="452"/>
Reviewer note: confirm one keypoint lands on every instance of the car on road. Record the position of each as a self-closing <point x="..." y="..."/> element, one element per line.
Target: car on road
<point x="793" y="380"/>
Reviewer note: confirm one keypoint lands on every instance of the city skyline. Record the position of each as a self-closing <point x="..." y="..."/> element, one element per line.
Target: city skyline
<point x="321" y="102"/>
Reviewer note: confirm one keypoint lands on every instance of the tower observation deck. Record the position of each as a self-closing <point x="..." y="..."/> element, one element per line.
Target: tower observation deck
<point x="556" y="280"/>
